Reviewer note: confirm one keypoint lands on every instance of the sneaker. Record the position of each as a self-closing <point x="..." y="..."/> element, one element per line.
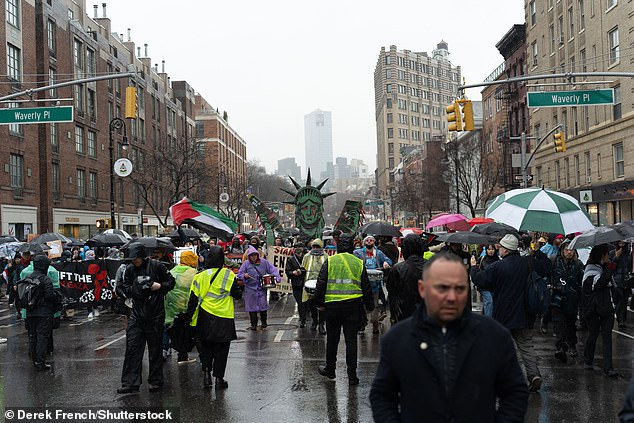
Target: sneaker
<point x="325" y="371"/>
<point x="221" y="383"/>
<point x="543" y="326"/>
<point x="95" y="312"/>
<point x="264" y="325"/>
<point x="254" y="328"/>
<point x="535" y="384"/>
<point x="91" y="315"/>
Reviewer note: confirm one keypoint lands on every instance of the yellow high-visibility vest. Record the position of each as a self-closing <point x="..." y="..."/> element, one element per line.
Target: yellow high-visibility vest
<point x="344" y="277"/>
<point x="217" y="300"/>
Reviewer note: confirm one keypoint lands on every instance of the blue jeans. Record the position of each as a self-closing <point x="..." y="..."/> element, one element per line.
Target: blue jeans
<point x="487" y="303"/>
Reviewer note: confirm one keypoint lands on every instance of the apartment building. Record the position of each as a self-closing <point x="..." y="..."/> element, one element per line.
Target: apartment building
<point x="568" y="36"/>
<point x="411" y="91"/>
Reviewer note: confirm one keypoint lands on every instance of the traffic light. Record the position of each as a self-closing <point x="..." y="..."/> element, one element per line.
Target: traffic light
<point x="467" y="111"/>
<point x="454" y="117"/>
<point x="130" y="103"/>
<point x="102" y="223"/>
<point x="560" y="142"/>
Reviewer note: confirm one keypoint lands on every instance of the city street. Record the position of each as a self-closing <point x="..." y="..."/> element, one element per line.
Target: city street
<point x="271" y="373"/>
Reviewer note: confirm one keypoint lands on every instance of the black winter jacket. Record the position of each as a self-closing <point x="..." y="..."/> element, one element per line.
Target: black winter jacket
<point x="425" y="375"/>
<point x="293" y="263"/>
<point x="46" y="307"/>
<point x="147" y="305"/>
<point x="402" y="287"/>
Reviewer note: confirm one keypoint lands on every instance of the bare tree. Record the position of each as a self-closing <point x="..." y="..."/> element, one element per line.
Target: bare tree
<point x="472" y="178"/>
<point x="167" y="173"/>
<point x="265" y="186"/>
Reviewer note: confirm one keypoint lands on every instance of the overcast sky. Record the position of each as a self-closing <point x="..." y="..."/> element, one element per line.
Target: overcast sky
<point x="269" y="63"/>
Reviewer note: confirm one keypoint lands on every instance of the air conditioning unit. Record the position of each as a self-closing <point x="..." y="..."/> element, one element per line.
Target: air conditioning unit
<point x="589" y="179"/>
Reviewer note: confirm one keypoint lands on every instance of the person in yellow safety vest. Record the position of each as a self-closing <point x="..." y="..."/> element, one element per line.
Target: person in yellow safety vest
<point x="210" y="310"/>
<point x="343" y="288"/>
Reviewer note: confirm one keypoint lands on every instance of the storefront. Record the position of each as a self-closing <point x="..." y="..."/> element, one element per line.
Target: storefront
<point x="18" y="221"/>
<point x="609" y="203"/>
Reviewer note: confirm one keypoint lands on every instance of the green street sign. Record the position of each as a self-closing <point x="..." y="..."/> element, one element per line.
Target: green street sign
<point x="36" y="115"/>
<point x="570" y="98"/>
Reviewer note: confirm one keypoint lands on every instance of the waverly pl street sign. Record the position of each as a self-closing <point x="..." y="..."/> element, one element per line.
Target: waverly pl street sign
<point x="570" y="98"/>
<point x="20" y="115"/>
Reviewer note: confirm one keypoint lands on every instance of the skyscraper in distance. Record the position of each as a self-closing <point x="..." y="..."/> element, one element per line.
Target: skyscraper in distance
<point x="318" y="141"/>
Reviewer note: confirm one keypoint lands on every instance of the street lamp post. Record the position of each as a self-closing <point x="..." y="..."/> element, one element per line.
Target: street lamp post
<point x="115" y="124"/>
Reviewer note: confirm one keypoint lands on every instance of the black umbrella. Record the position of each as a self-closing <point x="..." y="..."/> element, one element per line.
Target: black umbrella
<point x="34" y="248"/>
<point x="380" y="229"/>
<point x="495" y="229"/>
<point x="8" y="238"/>
<point x="467" y="237"/>
<point x="50" y="236"/>
<point x="74" y="242"/>
<point x="107" y="240"/>
<point x="151" y="243"/>
<point x="188" y="233"/>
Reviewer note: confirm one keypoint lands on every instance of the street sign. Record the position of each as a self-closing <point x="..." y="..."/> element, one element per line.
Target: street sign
<point x="570" y="98"/>
<point x="519" y="178"/>
<point x="18" y="115"/>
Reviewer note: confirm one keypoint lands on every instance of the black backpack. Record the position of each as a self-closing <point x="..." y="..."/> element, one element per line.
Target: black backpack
<point x="536" y="291"/>
<point x="29" y="292"/>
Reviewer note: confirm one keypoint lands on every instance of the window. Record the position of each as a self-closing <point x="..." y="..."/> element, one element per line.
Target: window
<point x="402" y="133"/>
<point x="582" y="59"/>
<point x="577" y="171"/>
<point x="78" y="56"/>
<point x="389" y="103"/>
<point x="79" y="140"/>
<point x="619" y="161"/>
<point x="533" y="12"/>
<point x="616" y="108"/>
<point x="571" y="22"/>
<point x="54" y="138"/>
<point x="534" y="53"/>
<point x="582" y="16"/>
<point x="92" y="144"/>
<point x="551" y="33"/>
<point x="613" y="42"/>
<point x="390" y="118"/>
<point x="91" y="64"/>
<point x="13" y="13"/>
<point x="92" y="185"/>
<point x="55" y="178"/>
<point x="51" y="35"/>
<point x="52" y="79"/>
<point x="586" y="159"/>
<point x="17" y="165"/>
<point x="599" y="165"/>
<point x="560" y="26"/>
<point x="81" y="184"/>
<point x="388" y="88"/>
<point x="390" y="132"/>
<point x="557" y="175"/>
<point x="14" y="128"/>
<point x="567" y="171"/>
<point x="14" y="63"/>
<point x="540" y="176"/>
<point x="92" y="105"/>
<point x="390" y="148"/>
<point x="402" y="104"/>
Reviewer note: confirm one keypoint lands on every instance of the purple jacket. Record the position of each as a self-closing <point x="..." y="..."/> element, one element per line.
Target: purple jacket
<point x="254" y="293"/>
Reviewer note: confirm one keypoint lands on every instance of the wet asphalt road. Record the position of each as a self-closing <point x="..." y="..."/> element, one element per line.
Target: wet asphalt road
<point x="271" y="373"/>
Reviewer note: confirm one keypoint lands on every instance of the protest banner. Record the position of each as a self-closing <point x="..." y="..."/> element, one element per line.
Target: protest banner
<point x="277" y="256"/>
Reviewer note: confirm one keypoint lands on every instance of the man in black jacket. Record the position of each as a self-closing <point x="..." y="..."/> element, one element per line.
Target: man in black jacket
<point x="508" y="279"/>
<point x="146" y="281"/>
<point x="402" y="281"/>
<point x="40" y="317"/>
<point x="445" y="363"/>
<point x="296" y="274"/>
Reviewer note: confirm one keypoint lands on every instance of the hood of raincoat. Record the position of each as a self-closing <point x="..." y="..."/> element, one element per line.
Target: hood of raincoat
<point x="412" y="244"/>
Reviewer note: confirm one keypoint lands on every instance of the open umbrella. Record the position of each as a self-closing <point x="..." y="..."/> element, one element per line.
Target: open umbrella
<point x="118" y="232"/>
<point x="188" y="233"/>
<point x="496" y="229"/>
<point x="597" y="236"/>
<point x="380" y="229"/>
<point x="107" y="240"/>
<point x="151" y="243"/>
<point x="33" y="248"/>
<point x="50" y="236"/>
<point x="407" y="231"/>
<point x="8" y="249"/>
<point x="467" y="237"/>
<point x="479" y="221"/>
<point x="8" y="238"/>
<point x="447" y="219"/>
<point x="539" y="209"/>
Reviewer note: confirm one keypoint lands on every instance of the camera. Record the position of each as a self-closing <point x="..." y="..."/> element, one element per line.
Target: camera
<point x="144" y="282"/>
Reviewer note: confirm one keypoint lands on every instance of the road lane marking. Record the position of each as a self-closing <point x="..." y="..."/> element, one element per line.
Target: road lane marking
<point x="110" y="343"/>
<point x="10" y="325"/>
<point x="622" y="333"/>
<point x="279" y="335"/>
<point x="289" y="320"/>
<point x="7" y="317"/>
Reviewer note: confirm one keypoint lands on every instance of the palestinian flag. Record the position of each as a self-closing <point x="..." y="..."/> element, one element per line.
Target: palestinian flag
<point x="203" y="217"/>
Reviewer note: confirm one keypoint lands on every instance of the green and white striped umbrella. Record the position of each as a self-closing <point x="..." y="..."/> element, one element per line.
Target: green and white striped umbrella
<point x="539" y="209"/>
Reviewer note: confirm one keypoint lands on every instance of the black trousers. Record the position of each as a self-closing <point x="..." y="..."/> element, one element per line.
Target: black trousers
<point x="621" y="305"/>
<point x="138" y="334"/>
<point x="318" y="317"/>
<point x="253" y="316"/>
<point x="596" y="324"/>
<point x="298" y="291"/>
<point x="40" y="332"/>
<point x="346" y="316"/>
<point x="564" y="329"/>
<point x="213" y="356"/>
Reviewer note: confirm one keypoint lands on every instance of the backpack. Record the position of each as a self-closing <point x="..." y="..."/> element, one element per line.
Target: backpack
<point x="29" y="292"/>
<point x="536" y="291"/>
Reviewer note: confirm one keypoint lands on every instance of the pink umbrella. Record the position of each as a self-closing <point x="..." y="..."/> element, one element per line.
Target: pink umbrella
<point x="446" y="220"/>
